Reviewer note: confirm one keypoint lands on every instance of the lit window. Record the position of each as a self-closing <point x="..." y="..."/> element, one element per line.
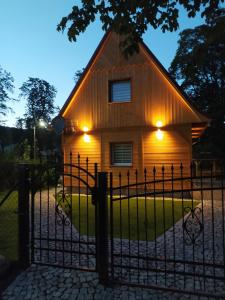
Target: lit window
<point x="120" y="91"/>
<point x="121" y="154"/>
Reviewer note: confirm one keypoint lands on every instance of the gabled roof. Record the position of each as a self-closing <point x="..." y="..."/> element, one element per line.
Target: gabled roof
<point x="91" y="61"/>
<point x="174" y="83"/>
<point x="203" y="119"/>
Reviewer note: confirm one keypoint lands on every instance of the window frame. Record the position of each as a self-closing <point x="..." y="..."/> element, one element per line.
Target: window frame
<point x="122" y="164"/>
<point x="110" y="83"/>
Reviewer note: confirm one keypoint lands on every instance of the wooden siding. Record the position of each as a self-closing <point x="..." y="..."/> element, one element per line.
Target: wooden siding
<point x="153" y="97"/>
<point x="148" y="152"/>
<point x="76" y="145"/>
<point x="172" y="150"/>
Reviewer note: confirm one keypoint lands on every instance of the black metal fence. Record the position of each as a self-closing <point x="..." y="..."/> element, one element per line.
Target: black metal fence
<point x="14" y="213"/>
<point x="63" y="217"/>
<point x="162" y="229"/>
<point x="168" y="232"/>
<point x="9" y="211"/>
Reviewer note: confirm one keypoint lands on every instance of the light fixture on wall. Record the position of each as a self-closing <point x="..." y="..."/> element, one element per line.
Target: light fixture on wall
<point x="159" y="124"/>
<point x="159" y="133"/>
<point x="86" y="138"/>
<point x="85" y="129"/>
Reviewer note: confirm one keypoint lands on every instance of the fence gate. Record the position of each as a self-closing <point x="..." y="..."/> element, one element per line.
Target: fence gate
<point x="167" y="230"/>
<point x="63" y="216"/>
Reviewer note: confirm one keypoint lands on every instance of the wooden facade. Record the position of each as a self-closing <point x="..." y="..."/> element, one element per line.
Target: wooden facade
<point x="154" y="97"/>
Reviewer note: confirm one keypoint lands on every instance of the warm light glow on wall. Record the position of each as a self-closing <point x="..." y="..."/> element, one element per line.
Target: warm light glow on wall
<point x="86" y="138"/>
<point x="85" y="129"/>
<point x="159" y="123"/>
<point x="159" y="135"/>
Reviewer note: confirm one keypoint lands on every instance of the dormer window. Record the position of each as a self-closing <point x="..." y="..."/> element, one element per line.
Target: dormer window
<point x="120" y="91"/>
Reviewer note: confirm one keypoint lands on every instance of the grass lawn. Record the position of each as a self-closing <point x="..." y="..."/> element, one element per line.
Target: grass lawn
<point x="135" y="230"/>
<point x="9" y="227"/>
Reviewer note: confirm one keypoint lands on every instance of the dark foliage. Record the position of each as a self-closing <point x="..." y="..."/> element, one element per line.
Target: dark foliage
<point x="132" y="18"/>
<point x="6" y="88"/>
<point x="199" y="66"/>
<point x="78" y="74"/>
<point x="40" y="96"/>
<point x="17" y="144"/>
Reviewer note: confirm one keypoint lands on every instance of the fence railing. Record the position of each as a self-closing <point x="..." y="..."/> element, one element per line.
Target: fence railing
<point x="14" y="213"/>
<point x="169" y="232"/>
<point x="163" y="228"/>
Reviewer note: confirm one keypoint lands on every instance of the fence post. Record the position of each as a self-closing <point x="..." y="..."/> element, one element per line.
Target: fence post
<point x="23" y="216"/>
<point x="102" y="229"/>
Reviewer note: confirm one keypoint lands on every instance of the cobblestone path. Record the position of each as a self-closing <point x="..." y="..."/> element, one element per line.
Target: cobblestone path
<point x="48" y="283"/>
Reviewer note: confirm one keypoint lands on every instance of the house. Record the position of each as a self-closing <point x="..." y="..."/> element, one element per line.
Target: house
<point x="128" y="114"/>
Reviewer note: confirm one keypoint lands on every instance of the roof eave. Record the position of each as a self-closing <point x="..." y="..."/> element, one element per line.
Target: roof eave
<point x="202" y="116"/>
<point x="77" y="85"/>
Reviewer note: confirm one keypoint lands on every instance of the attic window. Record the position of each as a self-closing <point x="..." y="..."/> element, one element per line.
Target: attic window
<point x="121" y="154"/>
<point x="120" y="91"/>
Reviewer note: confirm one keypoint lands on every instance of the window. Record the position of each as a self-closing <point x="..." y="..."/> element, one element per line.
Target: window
<point x="120" y="91"/>
<point x="121" y="154"/>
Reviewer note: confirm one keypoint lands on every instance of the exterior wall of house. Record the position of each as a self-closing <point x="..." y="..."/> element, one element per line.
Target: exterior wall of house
<point x="148" y="152"/>
<point x="175" y="148"/>
<point x="153" y="97"/>
<point x="75" y="145"/>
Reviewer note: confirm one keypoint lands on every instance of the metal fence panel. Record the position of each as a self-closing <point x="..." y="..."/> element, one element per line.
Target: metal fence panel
<point x="168" y="232"/>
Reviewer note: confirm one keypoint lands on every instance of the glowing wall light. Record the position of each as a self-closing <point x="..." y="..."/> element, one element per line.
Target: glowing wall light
<point x="159" y="123"/>
<point x="159" y="135"/>
<point x="85" y="129"/>
<point x="86" y="138"/>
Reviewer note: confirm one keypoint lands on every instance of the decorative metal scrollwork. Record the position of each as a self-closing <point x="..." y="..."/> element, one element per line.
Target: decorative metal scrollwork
<point x="193" y="225"/>
<point x="63" y="209"/>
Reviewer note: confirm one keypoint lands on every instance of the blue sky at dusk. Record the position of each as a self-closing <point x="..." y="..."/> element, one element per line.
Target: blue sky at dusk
<point x="31" y="46"/>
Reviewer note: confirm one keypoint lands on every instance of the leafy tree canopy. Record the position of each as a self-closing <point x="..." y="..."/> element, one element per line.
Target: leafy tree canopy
<point x="40" y="96"/>
<point x="199" y="66"/>
<point x="131" y="18"/>
<point x="6" y="87"/>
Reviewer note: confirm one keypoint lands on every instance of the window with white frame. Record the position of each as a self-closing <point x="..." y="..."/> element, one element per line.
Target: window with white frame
<point x="120" y="91"/>
<point x="121" y="154"/>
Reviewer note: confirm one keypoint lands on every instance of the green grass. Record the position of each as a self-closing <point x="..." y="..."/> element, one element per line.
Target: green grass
<point x="133" y="230"/>
<point x="9" y="227"/>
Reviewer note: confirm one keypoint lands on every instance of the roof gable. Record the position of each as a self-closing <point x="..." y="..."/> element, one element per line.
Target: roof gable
<point x="107" y="55"/>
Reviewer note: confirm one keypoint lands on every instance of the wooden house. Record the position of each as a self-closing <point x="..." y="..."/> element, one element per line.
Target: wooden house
<point x="128" y="114"/>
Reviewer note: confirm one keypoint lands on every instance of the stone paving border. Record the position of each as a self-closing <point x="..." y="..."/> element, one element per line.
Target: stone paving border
<point x="48" y="283"/>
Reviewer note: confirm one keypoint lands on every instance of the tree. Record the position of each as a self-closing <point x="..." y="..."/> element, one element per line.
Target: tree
<point x="6" y="87"/>
<point x="20" y="123"/>
<point x="40" y="96"/>
<point x="78" y="74"/>
<point x="199" y="66"/>
<point x="131" y="18"/>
